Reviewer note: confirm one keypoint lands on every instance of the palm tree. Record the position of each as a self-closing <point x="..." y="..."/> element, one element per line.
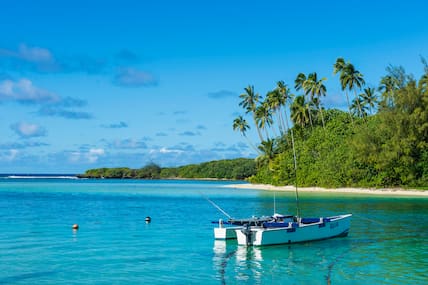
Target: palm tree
<point x="339" y="67"/>
<point x="301" y="83"/>
<point x="352" y="78"/>
<point x="264" y="117"/>
<point x="286" y="96"/>
<point x="388" y="85"/>
<point x="315" y="88"/>
<point x="249" y="102"/>
<point x="278" y="100"/>
<point x="359" y="107"/>
<point x="299" y="111"/>
<point x="369" y="98"/>
<point x="268" y="148"/>
<point x="241" y="125"/>
<point x="274" y="101"/>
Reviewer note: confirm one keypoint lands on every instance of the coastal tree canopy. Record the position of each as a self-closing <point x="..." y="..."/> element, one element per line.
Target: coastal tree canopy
<point x="381" y="141"/>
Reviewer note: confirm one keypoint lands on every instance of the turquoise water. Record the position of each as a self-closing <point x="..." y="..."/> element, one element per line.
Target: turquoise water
<point x="114" y="245"/>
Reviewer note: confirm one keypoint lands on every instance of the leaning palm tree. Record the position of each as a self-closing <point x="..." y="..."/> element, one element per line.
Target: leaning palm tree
<point x="249" y="102"/>
<point x="241" y="125"/>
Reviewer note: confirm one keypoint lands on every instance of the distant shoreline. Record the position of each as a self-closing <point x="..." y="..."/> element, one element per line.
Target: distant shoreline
<point x="374" y="191"/>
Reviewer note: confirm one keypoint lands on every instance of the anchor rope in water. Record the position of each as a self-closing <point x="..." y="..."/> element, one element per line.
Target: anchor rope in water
<point x="331" y="265"/>
<point x="337" y="259"/>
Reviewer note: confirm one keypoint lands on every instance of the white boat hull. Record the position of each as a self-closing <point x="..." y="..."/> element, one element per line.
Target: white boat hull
<point x="295" y="232"/>
<point x="225" y="232"/>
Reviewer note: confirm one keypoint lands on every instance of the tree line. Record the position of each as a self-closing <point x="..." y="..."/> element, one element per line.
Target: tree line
<point x="232" y="169"/>
<point x="380" y="140"/>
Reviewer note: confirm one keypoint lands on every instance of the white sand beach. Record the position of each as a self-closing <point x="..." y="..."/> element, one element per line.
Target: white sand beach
<point x="371" y="191"/>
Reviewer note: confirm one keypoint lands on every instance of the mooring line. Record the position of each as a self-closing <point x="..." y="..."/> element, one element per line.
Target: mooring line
<point x="370" y="220"/>
<point x="216" y="206"/>
<point x="330" y="266"/>
<point x="337" y="259"/>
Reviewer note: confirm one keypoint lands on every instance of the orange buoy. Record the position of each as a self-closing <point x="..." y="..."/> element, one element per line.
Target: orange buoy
<point x="75" y="227"/>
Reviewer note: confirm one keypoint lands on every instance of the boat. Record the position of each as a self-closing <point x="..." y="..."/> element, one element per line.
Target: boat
<point x="291" y="229"/>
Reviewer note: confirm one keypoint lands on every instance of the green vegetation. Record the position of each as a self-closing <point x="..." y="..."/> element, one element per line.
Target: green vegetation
<point x="233" y="169"/>
<point x="381" y="141"/>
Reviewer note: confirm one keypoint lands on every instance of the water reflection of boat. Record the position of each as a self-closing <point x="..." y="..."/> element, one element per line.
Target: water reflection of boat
<point x="248" y="254"/>
<point x="245" y="261"/>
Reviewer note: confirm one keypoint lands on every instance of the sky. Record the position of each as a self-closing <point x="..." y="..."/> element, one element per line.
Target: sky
<point x="89" y="84"/>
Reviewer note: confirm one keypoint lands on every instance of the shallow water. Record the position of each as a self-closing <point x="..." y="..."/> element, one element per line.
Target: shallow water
<point x="114" y="245"/>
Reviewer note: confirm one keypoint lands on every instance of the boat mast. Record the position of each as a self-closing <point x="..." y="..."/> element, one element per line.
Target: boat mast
<point x="295" y="173"/>
<point x="274" y="203"/>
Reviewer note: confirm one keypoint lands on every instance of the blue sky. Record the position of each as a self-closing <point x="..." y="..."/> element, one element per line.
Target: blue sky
<point x="87" y="84"/>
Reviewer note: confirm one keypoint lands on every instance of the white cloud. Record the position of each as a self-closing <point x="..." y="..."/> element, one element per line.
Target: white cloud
<point x="28" y="130"/>
<point x="131" y="77"/>
<point x="165" y="150"/>
<point x="74" y="156"/>
<point x="127" y="144"/>
<point x="94" y="153"/>
<point x="9" y="155"/>
<point x="23" y="91"/>
<point x="90" y="156"/>
<point x="29" y="54"/>
<point x="34" y="54"/>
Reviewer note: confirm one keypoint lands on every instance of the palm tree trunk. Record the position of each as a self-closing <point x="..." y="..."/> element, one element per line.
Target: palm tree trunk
<point x="349" y="107"/>
<point x="257" y="127"/>
<point x="358" y="104"/>
<point x="252" y="145"/>
<point x="322" y="117"/>
<point x="310" y="116"/>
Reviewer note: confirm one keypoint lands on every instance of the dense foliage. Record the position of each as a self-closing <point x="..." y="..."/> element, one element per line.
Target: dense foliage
<point x="233" y="169"/>
<point x="381" y="141"/>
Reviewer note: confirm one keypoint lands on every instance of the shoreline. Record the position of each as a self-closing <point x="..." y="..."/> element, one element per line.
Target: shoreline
<point x="348" y="190"/>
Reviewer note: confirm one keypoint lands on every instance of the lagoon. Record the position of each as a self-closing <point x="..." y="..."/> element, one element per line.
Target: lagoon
<point x="114" y="245"/>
